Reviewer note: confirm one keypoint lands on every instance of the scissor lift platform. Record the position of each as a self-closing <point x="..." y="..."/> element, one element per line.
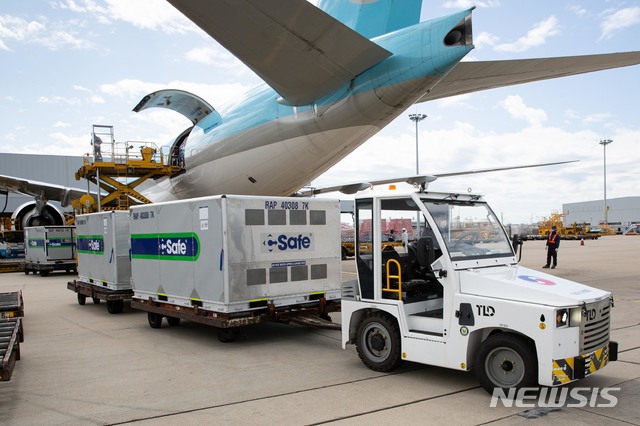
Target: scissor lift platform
<point x="120" y="170"/>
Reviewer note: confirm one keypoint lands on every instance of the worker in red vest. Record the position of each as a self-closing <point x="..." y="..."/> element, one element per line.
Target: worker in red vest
<point x="553" y="243"/>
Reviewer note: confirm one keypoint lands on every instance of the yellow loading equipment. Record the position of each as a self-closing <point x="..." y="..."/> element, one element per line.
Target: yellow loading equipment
<point x="119" y="170"/>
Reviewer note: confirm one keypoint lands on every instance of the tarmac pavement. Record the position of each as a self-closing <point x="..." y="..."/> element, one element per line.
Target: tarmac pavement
<point x="81" y="365"/>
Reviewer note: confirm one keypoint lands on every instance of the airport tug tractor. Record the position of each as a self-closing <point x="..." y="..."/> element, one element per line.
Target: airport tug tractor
<point x="456" y="297"/>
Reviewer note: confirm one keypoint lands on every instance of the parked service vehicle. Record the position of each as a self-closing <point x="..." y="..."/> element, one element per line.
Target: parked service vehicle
<point x="11" y="244"/>
<point x="104" y="263"/>
<point x="458" y="299"/>
<point x="231" y="261"/>
<point x="50" y="248"/>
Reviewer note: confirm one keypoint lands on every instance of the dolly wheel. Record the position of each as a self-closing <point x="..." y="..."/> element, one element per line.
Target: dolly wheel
<point x="95" y="300"/>
<point x="155" y="320"/>
<point x="226" y="335"/>
<point x="82" y="299"/>
<point x="173" y="321"/>
<point x="116" y="306"/>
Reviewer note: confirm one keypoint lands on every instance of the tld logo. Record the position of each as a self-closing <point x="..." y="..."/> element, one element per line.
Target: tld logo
<point x="285" y="242"/>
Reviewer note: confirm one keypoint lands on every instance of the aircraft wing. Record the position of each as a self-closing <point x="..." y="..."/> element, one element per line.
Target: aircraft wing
<point x="352" y="188"/>
<point x="469" y="77"/>
<point x="500" y="169"/>
<point x="299" y="50"/>
<point x="416" y="180"/>
<point x="41" y="190"/>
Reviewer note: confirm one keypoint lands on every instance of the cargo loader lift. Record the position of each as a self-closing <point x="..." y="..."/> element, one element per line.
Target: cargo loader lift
<point x="119" y="171"/>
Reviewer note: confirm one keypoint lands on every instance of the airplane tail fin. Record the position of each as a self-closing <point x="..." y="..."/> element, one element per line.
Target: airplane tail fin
<point x="374" y="18"/>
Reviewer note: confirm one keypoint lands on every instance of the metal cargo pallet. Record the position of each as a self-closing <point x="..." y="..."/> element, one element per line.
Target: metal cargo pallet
<point x="69" y="266"/>
<point x="115" y="298"/>
<point x="10" y="337"/>
<point x="11" y="305"/>
<point x="314" y="315"/>
<point x="11" y="332"/>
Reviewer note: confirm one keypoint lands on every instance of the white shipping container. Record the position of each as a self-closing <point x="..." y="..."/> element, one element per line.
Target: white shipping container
<point x="236" y="253"/>
<point x="49" y="244"/>
<point x="103" y="249"/>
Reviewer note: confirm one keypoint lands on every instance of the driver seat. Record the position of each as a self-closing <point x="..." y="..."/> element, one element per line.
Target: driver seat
<point x="423" y="283"/>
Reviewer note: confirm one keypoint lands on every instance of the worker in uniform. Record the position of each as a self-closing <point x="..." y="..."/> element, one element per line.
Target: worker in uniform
<point x="97" y="151"/>
<point x="405" y="240"/>
<point x="553" y="243"/>
<point x="392" y="236"/>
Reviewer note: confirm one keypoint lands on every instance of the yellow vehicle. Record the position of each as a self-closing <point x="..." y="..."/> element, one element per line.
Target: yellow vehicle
<point x="569" y="232"/>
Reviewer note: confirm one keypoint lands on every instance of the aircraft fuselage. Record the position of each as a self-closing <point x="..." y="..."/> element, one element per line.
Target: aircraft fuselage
<point x="264" y="147"/>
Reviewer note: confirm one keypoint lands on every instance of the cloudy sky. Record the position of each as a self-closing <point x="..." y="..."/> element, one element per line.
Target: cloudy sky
<point x="69" y="64"/>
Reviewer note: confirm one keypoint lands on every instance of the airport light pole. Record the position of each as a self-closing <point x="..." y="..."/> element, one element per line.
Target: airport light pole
<point x="417" y="118"/>
<point x="604" y="143"/>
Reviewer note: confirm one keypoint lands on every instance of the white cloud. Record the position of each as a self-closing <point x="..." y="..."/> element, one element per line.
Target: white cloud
<point x="619" y="20"/>
<point x="596" y="118"/>
<point x="18" y="29"/>
<point x="61" y="124"/>
<point x="203" y="55"/>
<point x="150" y="14"/>
<point x="536" y="36"/>
<point x="58" y="100"/>
<point x="211" y="56"/>
<point x="83" y="6"/>
<point x="52" y="36"/>
<point x="485" y="39"/>
<point x="59" y="39"/>
<point x="93" y="98"/>
<point x="454" y="101"/>
<point x="578" y="10"/>
<point x="516" y="107"/>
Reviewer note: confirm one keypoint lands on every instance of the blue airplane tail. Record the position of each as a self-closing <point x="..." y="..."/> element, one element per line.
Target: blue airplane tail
<point x="374" y="18"/>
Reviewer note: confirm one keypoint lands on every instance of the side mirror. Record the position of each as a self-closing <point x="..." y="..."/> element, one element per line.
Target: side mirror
<point x="516" y="242"/>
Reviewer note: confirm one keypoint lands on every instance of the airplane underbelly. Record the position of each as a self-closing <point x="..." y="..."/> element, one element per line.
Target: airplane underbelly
<point x="276" y="169"/>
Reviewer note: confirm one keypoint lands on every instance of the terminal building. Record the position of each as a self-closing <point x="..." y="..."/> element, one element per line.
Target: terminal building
<point x="621" y="212"/>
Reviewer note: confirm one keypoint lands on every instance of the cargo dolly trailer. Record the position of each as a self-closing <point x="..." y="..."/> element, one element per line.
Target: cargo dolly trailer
<point x="50" y="248"/>
<point x="232" y="261"/>
<point x="11" y="332"/>
<point x="104" y="264"/>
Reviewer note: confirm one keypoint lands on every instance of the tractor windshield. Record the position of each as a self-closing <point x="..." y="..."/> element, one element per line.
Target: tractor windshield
<point x="470" y="230"/>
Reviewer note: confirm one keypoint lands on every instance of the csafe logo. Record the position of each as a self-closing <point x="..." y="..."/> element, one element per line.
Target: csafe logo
<point x="171" y="246"/>
<point x="286" y="242"/>
<point x="90" y="244"/>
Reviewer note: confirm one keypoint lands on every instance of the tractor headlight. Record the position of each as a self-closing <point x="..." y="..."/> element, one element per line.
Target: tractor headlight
<point x="562" y="318"/>
<point x="568" y="317"/>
